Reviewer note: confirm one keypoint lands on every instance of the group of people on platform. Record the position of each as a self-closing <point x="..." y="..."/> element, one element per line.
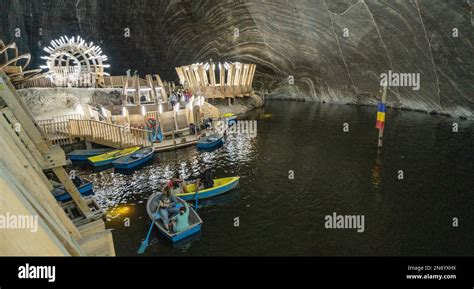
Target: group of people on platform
<point x="179" y="95"/>
<point x="175" y="215"/>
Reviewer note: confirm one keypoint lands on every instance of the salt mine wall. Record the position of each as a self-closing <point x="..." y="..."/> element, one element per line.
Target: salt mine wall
<point x="329" y="51"/>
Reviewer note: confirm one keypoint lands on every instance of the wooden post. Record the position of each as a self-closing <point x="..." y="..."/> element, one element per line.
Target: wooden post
<point x="197" y="121"/>
<point x="63" y="177"/>
<point x="212" y="74"/>
<point x="127" y="116"/>
<point x="91" y="129"/>
<point x="175" y="118"/>
<point x="163" y="89"/>
<point x="136" y="86"/>
<point x="195" y="118"/>
<point x="125" y="87"/>
<point x="149" y="78"/>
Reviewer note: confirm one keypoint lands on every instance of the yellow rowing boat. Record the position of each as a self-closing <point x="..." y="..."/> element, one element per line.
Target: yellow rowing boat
<point x="108" y="158"/>
<point x="221" y="186"/>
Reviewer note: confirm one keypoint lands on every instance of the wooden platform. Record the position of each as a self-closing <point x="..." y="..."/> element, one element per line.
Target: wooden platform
<point x="177" y="143"/>
<point x="233" y="79"/>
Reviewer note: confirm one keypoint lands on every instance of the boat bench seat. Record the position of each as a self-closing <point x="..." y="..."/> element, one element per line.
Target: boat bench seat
<point x="157" y="215"/>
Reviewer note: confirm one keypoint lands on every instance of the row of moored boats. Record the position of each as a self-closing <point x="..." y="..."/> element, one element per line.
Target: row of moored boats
<point x="134" y="157"/>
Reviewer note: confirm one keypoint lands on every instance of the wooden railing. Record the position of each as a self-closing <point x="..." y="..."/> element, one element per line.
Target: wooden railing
<point x="57" y="132"/>
<point x="108" y="134"/>
<point x="60" y="118"/>
<point x="57" y="128"/>
<point x="71" y="76"/>
<point x="119" y="81"/>
<point x="37" y="82"/>
<point x="154" y="114"/>
<point x="114" y="81"/>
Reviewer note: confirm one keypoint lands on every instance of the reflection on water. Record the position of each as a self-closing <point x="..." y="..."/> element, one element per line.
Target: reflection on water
<point x="334" y="172"/>
<point x="115" y="188"/>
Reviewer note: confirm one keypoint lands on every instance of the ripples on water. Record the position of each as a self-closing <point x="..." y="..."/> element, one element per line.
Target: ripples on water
<point x="334" y="172"/>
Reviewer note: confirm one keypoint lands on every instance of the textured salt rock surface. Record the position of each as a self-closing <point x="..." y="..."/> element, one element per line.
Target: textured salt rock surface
<point x="239" y="105"/>
<point x="303" y="39"/>
<point x="48" y="102"/>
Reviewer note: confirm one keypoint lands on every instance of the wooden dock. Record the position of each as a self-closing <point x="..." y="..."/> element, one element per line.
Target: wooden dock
<point x="175" y="126"/>
<point x="177" y="143"/>
<point x="119" y="137"/>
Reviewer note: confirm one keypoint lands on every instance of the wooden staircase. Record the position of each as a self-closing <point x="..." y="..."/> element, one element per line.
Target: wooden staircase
<point x="26" y="191"/>
<point x="108" y="134"/>
<point x="64" y="130"/>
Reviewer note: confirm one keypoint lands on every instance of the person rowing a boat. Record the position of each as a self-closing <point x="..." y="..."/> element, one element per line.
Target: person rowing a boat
<point x="180" y="222"/>
<point x="177" y="185"/>
<point x="205" y="180"/>
<point x="167" y="206"/>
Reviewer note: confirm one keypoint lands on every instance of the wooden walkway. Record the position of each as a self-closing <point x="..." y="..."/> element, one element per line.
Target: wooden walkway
<point x="108" y="134"/>
<point x="65" y="130"/>
<point x="119" y="137"/>
<point x="175" y="125"/>
<point x="176" y="142"/>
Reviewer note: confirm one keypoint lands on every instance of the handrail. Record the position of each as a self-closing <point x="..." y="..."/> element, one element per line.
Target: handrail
<point x="57" y="132"/>
<point x="66" y="129"/>
<point x="119" y="81"/>
<point x="109" y="134"/>
<point x="37" y="82"/>
<point x="60" y="118"/>
<point x="56" y="128"/>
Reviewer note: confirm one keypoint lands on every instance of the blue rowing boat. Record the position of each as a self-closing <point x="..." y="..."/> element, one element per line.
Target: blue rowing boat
<point x="135" y="159"/>
<point x="221" y="186"/>
<point x="194" y="220"/>
<point x="210" y="142"/>
<point x="83" y="155"/>
<point x="84" y="186"/>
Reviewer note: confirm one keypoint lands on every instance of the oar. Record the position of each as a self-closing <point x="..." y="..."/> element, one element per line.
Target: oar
<point x="142" y="248"/>
<point x="197" y="197"/>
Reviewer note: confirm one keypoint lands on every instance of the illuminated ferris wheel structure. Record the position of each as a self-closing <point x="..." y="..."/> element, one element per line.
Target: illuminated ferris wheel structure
<point x="73" y="62"/>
